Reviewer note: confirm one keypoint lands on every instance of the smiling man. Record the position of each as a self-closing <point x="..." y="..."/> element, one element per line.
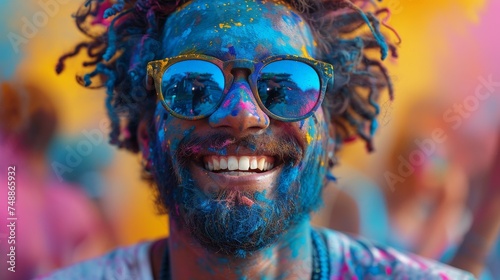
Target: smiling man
<point x="236" y="107"/>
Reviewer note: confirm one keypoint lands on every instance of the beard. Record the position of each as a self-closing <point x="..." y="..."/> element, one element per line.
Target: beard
<point x="216" y="220"/>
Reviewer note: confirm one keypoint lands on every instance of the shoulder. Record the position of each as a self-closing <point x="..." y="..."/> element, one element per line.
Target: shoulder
<point x="123" y="263"/>
<point x="361" y="259"/>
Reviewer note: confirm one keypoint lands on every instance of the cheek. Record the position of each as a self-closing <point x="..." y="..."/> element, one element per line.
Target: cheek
<point x="169" y="139"/>
<point x="315" y="129"/>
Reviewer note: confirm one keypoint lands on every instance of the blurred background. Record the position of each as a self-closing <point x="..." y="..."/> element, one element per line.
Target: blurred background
<point x="419" y="191"/>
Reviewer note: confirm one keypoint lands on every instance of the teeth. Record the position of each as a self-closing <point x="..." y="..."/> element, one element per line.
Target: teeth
<point x="223" y="163"/>
<point x="232" y="163"/>
<point x="243" y="163"/>
<point x="261" y="163"/>
<point x="253" y="163"/>
<point x="216" y="163"/>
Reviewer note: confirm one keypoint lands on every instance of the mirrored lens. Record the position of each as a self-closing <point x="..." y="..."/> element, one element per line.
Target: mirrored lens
<point x="289" y="88"/>
<point x="192" y="87"/>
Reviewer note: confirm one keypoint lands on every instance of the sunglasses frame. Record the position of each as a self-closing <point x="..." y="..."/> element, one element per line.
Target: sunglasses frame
<point x="157" y="68"/>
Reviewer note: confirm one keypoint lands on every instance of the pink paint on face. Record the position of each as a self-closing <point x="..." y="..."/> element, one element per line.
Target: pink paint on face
<point x="246" y="105"/>
<point x="195" y="149"/>
<point x="226" y="103"/>
<point x="240" y="115"/>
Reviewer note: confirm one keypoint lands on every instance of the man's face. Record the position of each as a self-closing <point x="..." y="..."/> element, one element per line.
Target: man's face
<point x="238" y="208"/>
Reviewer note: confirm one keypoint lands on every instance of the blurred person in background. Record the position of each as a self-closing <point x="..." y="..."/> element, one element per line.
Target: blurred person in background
<point x="425" y="189"/>
<point x="90" y="175"/>
<point x="475" y="146"/>
<point x="450" y="200"/>
<point x="56" y="223"/>
<point x="441" y="198"/>
<point x="480" y="246"/>
<point x="413" y="209"/>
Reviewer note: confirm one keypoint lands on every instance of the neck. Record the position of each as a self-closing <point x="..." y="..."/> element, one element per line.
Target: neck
<point x="288" y="258"/>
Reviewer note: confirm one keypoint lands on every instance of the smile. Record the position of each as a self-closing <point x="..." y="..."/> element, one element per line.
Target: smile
<point x="256" y="164"/>
<point x="248" y="173"/>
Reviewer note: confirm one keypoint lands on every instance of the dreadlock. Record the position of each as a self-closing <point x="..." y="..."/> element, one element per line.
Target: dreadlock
<point x="124" y="35"/>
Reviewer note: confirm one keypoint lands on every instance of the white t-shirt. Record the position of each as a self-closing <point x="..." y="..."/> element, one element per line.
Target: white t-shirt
<point x="349" y="258"/>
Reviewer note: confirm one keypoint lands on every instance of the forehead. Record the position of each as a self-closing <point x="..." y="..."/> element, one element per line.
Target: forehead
<point x="237" y="29"/>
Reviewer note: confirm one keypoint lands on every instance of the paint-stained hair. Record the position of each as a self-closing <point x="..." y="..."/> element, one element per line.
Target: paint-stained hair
<point x="124" y="35"/>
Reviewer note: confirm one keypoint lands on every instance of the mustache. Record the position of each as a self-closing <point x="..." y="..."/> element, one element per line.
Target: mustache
<point x="283" y="147"/>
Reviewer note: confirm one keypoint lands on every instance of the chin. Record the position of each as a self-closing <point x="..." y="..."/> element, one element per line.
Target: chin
<point x="240" y="211"/>
<point x="235" y="222"/>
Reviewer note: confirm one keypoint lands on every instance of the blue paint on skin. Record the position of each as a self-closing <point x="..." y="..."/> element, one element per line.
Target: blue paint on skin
<point x="236" y="27"/>
<point x="186" y="33"/>
<point x="218" y="151"/>
<point x="205" y="266"/>
<point x="232" y="51"/>
<point x="253" y="226"/>
<point x="189" y="131"/>
<point x="239" y="100"/>
<point x="252" y="147"/>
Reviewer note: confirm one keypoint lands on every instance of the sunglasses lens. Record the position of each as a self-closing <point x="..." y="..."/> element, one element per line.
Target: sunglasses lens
<point x="192" y="87"/>
<point x="289" y="88"/>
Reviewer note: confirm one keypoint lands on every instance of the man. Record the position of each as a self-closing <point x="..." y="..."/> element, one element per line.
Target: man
<point x="239" y="178"/>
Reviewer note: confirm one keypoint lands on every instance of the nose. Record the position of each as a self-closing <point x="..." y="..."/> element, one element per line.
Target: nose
<point x="239" y="111"/>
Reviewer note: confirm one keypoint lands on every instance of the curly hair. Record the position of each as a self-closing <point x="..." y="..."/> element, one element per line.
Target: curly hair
<point x="124" y="35"/>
